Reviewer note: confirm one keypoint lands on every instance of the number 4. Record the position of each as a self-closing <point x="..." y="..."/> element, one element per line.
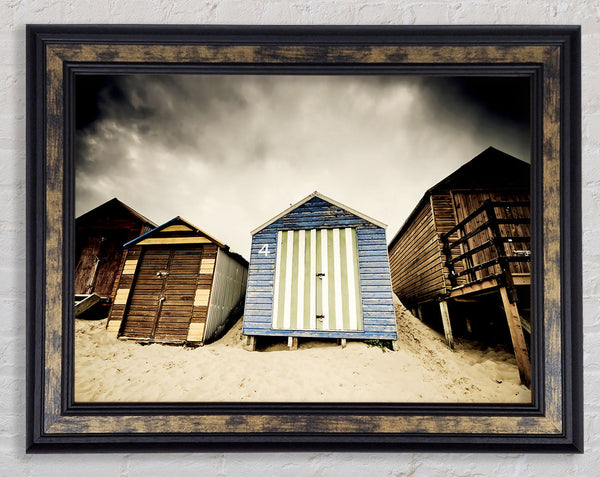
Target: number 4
<point x="264" y="250"/>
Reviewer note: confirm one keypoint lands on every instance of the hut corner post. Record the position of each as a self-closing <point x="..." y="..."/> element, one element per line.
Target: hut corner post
<point x="518" y="339"/>
<point x="249" y="342"/>
<point x="446" y="323"/>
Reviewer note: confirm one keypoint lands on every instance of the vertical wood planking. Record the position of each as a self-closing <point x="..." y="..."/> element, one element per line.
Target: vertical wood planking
<point x="518" y="340"/>
<point x="415" y="259"/>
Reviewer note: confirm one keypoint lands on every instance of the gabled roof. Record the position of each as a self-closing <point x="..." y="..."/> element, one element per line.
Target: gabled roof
<point x="326" y="199"/>
<point x="479" y="173"/>
<point x="490" y="168"/>
<point x="171" y="222"/>
<point x="179" y="221"/>
<point x="114" y="202"/>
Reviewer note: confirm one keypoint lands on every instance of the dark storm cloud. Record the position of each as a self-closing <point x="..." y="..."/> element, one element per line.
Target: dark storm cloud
<point x="494" y="109"/>
<point x="163" y="111"/>
<point x="229" y="152"/>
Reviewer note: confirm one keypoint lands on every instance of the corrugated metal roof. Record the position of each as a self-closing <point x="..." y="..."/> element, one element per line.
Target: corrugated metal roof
<point x="326" y="199"/>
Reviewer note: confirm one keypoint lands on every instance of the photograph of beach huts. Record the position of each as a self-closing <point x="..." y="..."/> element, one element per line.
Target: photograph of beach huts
<point x="302" y="238"/>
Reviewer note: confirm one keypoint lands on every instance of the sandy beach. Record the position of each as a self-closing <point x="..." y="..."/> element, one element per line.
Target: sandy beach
<point x="422" y="370"/>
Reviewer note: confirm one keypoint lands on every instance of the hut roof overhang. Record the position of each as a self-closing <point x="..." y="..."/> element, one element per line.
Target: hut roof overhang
<point x="179" y="220"/>
<point x="463" y="178"/>
<point x="326" y="199"/>
<point x="114" y="202"/>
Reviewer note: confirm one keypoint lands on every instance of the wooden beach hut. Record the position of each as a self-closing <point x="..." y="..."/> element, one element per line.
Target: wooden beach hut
<point x="99" y="238"/>
<point x="178" y="285"/>
<point x="319" y="270"/>
<point x="467" y="238"/>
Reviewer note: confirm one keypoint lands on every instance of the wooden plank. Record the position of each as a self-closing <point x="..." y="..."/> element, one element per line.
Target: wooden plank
<point x="201" y="297"/>
<point x="113" y="327"/>
<point x="521" y="280"/>
<point x="86" y="304"/>
<point x="292" y="343"/>
<point x="173" y="240"/>
<point x="431" y="248"/>
<point x="196" y="332"/>
<point x="249" y="343"/>
<point x="207" y="266"/>
<point x="121" y="296"/>
<point x="177" y="228"/>
<point x="446" y="324"/>
<point x="474" y="288"/>
<point x="518" y="339"/>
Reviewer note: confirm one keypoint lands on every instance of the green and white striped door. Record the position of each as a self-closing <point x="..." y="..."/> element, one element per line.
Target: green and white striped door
<point x="317" y="284"/>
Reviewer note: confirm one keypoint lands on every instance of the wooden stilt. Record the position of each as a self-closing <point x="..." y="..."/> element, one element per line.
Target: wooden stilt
<point x="517" y="337"/>
<point x="249" y="343"/>
<point x="343" y="342"/>
<point x="292" y="343"/>
<point x="420" y="312"/>
<point x="446" y="324"/>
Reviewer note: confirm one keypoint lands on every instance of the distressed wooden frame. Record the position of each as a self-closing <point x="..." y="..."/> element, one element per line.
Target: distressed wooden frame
<point x="550" y="55"/>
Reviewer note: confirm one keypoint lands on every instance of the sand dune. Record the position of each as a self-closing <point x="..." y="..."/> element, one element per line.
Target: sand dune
<point x="422" y="370"/>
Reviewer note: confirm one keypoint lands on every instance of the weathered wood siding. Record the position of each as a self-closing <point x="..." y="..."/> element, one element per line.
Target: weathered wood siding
<point x="102" y="235"/>
<point x="379" y="321"/>
<point x="416" y="260"/>
<point x="166" y="286"/>
<point x="467" y="202"/>
<point x="123" y="286"/>
<point x="172" y="272"/>
<point x="444" y="216"/>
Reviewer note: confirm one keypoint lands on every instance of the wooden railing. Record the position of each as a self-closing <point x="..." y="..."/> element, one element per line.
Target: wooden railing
<point x="494" y="240"/>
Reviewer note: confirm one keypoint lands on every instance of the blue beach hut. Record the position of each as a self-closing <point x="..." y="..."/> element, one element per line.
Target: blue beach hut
<point x="319" y="270"/>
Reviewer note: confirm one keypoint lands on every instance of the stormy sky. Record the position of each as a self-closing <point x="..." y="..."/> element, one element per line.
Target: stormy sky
<point x="227" y="153"/>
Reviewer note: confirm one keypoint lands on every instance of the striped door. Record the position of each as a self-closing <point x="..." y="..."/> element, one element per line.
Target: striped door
<point x="317" y="284"/>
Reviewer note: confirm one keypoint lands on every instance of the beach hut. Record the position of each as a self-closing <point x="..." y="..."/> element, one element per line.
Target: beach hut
<point x="178" y="285"/>
<point x="99" y="238"/>
<point x="320" y="270"/>
<point x="469" y="237"/>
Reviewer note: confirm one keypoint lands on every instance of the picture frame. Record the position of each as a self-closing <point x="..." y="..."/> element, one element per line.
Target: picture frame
<point x="549" y="55"/>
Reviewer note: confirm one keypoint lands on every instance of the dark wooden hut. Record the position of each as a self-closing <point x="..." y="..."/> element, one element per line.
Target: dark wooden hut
<point x="99" y="238"/>
<point x="469" y="236"/>
<point x="178" y="285"/>
<point x="320" y="270"/>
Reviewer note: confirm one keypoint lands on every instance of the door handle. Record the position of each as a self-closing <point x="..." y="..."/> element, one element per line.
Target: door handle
<point x="161" y="299"/>
<point x="320" y="275"/>
<point x="320" y="317"/>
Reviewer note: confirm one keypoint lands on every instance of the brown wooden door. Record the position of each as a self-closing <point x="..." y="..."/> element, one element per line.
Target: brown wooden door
<point x="87" y="266"/>
<point x="110" y="258"/>
<point x="160" y="307"/>
<point x="99" y="261"/>
<point x="178" y="293"/>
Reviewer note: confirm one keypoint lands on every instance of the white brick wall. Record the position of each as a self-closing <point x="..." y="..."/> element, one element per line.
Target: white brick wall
<point x="15" y="14"/>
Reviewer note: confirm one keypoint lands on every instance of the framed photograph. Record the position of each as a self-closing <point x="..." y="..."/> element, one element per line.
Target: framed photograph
<point x="300" y="238"/>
